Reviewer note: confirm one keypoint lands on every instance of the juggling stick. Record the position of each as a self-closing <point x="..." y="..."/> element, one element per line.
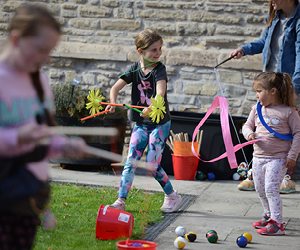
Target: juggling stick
<point x="83" y="131"/>
<point x="199" y="142"/>
<point x="91" y="116"/>
<point x="122" y="105"/>
<point x="225" y="61"/>
<point x="137" y="110"/>
<point x="118" y="158"/>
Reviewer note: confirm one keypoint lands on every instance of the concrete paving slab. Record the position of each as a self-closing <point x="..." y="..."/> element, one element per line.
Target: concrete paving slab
<point x="219" y="205"/>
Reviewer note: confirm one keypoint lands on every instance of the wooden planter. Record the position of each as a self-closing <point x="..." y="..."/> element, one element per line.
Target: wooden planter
<point x="113" y="144"/>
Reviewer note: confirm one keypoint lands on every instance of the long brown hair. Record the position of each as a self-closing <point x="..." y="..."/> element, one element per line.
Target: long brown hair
<point x="272" y="12"/>
<point x="281" y="81"/>
<point x="28" y="19"/>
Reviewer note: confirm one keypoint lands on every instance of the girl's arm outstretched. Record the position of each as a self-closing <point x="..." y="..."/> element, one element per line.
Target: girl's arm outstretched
<point x="120" y="84"/>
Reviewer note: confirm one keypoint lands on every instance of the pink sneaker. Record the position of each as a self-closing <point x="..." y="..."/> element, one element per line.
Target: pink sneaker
<point x="118" y="204"/>
<point x="262" y="223"/>
<point x="272" y="229"/>
<point x="171" y="202"/>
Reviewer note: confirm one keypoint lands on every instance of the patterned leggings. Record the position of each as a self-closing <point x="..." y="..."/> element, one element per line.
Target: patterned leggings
<point x="17" y="232"/>
<point x="268" y="174"/>
<point x="142" y="135"/>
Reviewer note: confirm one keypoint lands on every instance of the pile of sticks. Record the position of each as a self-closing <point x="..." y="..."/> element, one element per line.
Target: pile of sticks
<point x="184" y="137"/>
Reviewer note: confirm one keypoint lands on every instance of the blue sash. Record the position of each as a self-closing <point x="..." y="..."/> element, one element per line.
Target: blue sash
<point x="280" y="136"/>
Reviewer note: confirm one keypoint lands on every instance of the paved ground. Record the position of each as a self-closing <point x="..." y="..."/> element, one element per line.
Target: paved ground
<point x="219" y="206"/>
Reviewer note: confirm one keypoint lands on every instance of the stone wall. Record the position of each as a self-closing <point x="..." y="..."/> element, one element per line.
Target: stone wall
<point x="97" y="45"/>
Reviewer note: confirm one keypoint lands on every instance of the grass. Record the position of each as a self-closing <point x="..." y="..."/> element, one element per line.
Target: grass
<point x="76" y="208"/>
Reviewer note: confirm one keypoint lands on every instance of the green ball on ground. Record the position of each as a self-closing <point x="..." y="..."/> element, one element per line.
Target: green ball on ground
<point x="210" y="231"/>
<point x="212" y="238"/>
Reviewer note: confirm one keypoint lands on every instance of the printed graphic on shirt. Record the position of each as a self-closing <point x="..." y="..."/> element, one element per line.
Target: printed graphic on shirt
<point x="143" y="90"/>
<point x="19" y="111"/>
<point x="272" y="120"/>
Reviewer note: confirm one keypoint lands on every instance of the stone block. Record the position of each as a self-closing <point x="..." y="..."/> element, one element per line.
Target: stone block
<point x="56" y="74"/>
<point x="230" y="76"/>
<point x="209" y="89"/>
<point x="159" y="5"/>
<point x="102" y="33"/>
<point x="255" y="19"/>
<point x="4" y="26"/>
<point x="191" y="88"/>
<point x="192" y="58"/>
<point x="234" y="102"/>
<point x="246" y="62"/>
<point x="58" y="1"/>
<point x="11" y="6"/>
<point x="69" y="6"/>
<point x="236" y="90"/>
<point x="177" y="15"/>
<point x="89" y="79"/>
<point x="191" y="29"/>
<point x="171" y="71"/>
<point x="246" y="107"/>
<point x="194" y="109"/>
<point x="61" y="63"/>
<point x="107" y="66"/>
<point x="90" y="51"/>
<point x="163" y="28"/>
<point x="69" y="13"/>
<point x="84" y="23"/>
<point x="77" y="39"/>
<point x="103" y="80"/>
<point x="70" y="75"/>
<point x="79" y="1"/>
<point x="237" y="31"/>
<point x="125" y="13"/>
<point x="181" y="99"/>
<point x="204" y="17"/>
<point x="129" y="25"/>
<point x="110" y="3"/>
<point x="185" y="6"/>
<point x="94" y="12"/>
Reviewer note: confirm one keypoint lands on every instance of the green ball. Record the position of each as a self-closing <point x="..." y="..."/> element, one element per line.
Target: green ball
<point x="212" y="238"/>
<point x="210" y="232"/>
<point x="200" y="176"/>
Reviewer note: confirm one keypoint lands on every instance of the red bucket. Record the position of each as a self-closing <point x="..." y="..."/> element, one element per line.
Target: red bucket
<point x="113" y="223"/>
<point x="147" y="245"/>
<point x="185" y="166"/>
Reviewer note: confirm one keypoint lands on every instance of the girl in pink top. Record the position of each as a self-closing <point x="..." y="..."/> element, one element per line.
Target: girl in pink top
<point x="26" y="111"/>
<point x="272" y="156"/>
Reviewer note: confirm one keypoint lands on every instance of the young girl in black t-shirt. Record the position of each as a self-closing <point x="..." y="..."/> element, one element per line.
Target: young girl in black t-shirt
<point x="148" y="78"/>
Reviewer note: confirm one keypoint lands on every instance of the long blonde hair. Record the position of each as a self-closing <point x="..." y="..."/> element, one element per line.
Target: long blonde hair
<point x="28" y="19"/>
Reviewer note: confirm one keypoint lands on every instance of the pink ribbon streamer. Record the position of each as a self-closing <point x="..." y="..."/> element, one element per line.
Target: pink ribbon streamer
<point x="230" y="149"/>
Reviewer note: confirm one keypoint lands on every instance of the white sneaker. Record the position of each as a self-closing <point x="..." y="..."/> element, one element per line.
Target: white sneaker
<point x="247" y="185"/>
<point x="171" y="202"/>
<point x="287" y="185"/>
<point x="118" y="204"/>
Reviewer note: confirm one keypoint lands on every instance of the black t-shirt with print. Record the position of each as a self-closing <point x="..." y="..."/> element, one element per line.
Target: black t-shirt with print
<point x="143" y="88"/>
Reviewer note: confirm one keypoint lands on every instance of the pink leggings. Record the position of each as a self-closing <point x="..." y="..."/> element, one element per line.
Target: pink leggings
<point x="268" y="174"/>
